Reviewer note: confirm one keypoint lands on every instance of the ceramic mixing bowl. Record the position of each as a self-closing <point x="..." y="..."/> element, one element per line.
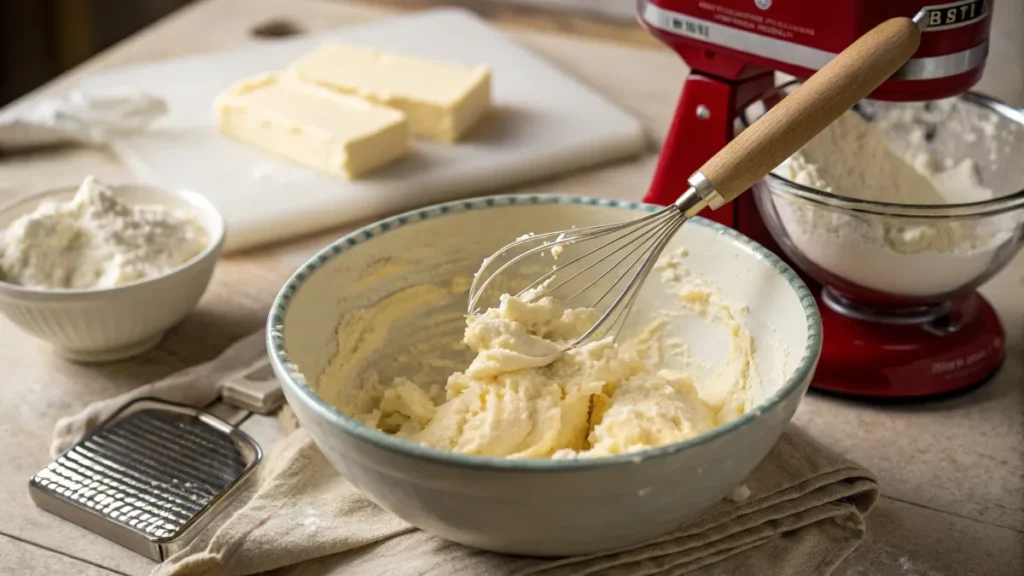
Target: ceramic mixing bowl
<point x="534" y="506"/>
<point x="896" y="261"/>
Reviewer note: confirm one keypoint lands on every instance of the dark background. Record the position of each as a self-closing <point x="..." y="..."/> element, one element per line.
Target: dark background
<point x="39" y="39"/>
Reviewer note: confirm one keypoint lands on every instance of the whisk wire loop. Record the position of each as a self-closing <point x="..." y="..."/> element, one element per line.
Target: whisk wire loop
<point x="482" y="279"/>
<point x="619" y="308"/>
<point x="629" y="249"/>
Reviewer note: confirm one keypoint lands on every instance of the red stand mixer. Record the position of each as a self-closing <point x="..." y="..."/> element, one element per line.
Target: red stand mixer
<point x="733" y="48"/>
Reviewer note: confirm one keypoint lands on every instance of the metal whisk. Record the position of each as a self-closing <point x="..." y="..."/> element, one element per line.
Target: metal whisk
<point x="624" y="253"/>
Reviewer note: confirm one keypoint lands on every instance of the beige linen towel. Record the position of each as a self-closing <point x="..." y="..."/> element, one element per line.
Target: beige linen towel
<point x="195" y="386"/>
<point x="805" y="514"/>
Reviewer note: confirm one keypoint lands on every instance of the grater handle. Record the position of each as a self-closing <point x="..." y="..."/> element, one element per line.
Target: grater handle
<point x="846" y="79"/>
<point x="255" y="389"/>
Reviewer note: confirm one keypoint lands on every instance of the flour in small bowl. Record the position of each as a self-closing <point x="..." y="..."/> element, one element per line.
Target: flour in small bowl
<point x="95" y="240"/>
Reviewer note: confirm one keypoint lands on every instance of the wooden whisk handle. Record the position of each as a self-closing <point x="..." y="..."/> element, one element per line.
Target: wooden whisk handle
<point x="810" y="108"/>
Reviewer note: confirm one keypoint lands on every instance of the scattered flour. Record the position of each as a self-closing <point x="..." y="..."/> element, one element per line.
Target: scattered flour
<point x="96" y="241"/>
<point x="896" y="255"/>
<point x="267" y="173"/>
<point x="739" y="494"/>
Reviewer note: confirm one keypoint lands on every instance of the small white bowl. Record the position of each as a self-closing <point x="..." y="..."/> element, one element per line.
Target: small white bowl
<point x="107" y="324"/>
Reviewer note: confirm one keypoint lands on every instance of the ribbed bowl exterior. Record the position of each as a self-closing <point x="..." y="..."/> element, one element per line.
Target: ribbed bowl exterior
<point x="98" y="321"/>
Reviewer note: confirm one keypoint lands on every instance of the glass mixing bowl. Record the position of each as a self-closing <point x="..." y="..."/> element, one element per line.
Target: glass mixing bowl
<point x="905" y="263"/>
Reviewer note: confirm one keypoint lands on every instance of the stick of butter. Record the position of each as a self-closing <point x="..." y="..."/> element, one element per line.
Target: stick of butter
<point x="320" y="128"/>
<point x="442" y="100"/>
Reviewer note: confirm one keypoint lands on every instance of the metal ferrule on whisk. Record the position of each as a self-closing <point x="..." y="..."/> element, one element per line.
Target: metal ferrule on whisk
<point x="698" y="196"/>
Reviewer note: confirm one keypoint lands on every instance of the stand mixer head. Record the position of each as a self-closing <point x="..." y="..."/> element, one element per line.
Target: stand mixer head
<point x="734" y="48"/>
<point x="738" y="39"/>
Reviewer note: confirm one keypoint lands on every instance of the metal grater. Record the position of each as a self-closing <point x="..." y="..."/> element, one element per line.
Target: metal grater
<point x="150" y="477"/>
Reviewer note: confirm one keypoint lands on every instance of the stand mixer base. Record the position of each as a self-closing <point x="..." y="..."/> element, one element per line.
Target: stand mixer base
<point x="874" y="360"/>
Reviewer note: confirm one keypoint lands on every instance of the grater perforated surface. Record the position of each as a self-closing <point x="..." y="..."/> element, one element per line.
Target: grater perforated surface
<point x="152" y="471"/>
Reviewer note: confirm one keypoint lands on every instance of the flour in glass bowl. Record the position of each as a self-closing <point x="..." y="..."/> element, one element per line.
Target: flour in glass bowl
<point x="896" y="255"/>
<point x="97" y="241"/>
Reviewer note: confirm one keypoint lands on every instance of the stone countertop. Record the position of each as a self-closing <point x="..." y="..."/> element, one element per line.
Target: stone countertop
<point x="952" y="472"/>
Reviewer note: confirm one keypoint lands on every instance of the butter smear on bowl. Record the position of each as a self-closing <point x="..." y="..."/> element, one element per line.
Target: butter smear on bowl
<point x="599" y="399"/>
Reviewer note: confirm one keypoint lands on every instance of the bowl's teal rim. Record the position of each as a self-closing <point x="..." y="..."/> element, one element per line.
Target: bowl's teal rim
<point x="296" y="382"/>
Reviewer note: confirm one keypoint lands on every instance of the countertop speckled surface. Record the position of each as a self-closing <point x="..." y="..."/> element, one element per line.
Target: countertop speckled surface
<point x="952" y="472"/>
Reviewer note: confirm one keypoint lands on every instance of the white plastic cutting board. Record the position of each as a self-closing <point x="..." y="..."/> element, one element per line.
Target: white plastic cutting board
<point x="544" y="122"/>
